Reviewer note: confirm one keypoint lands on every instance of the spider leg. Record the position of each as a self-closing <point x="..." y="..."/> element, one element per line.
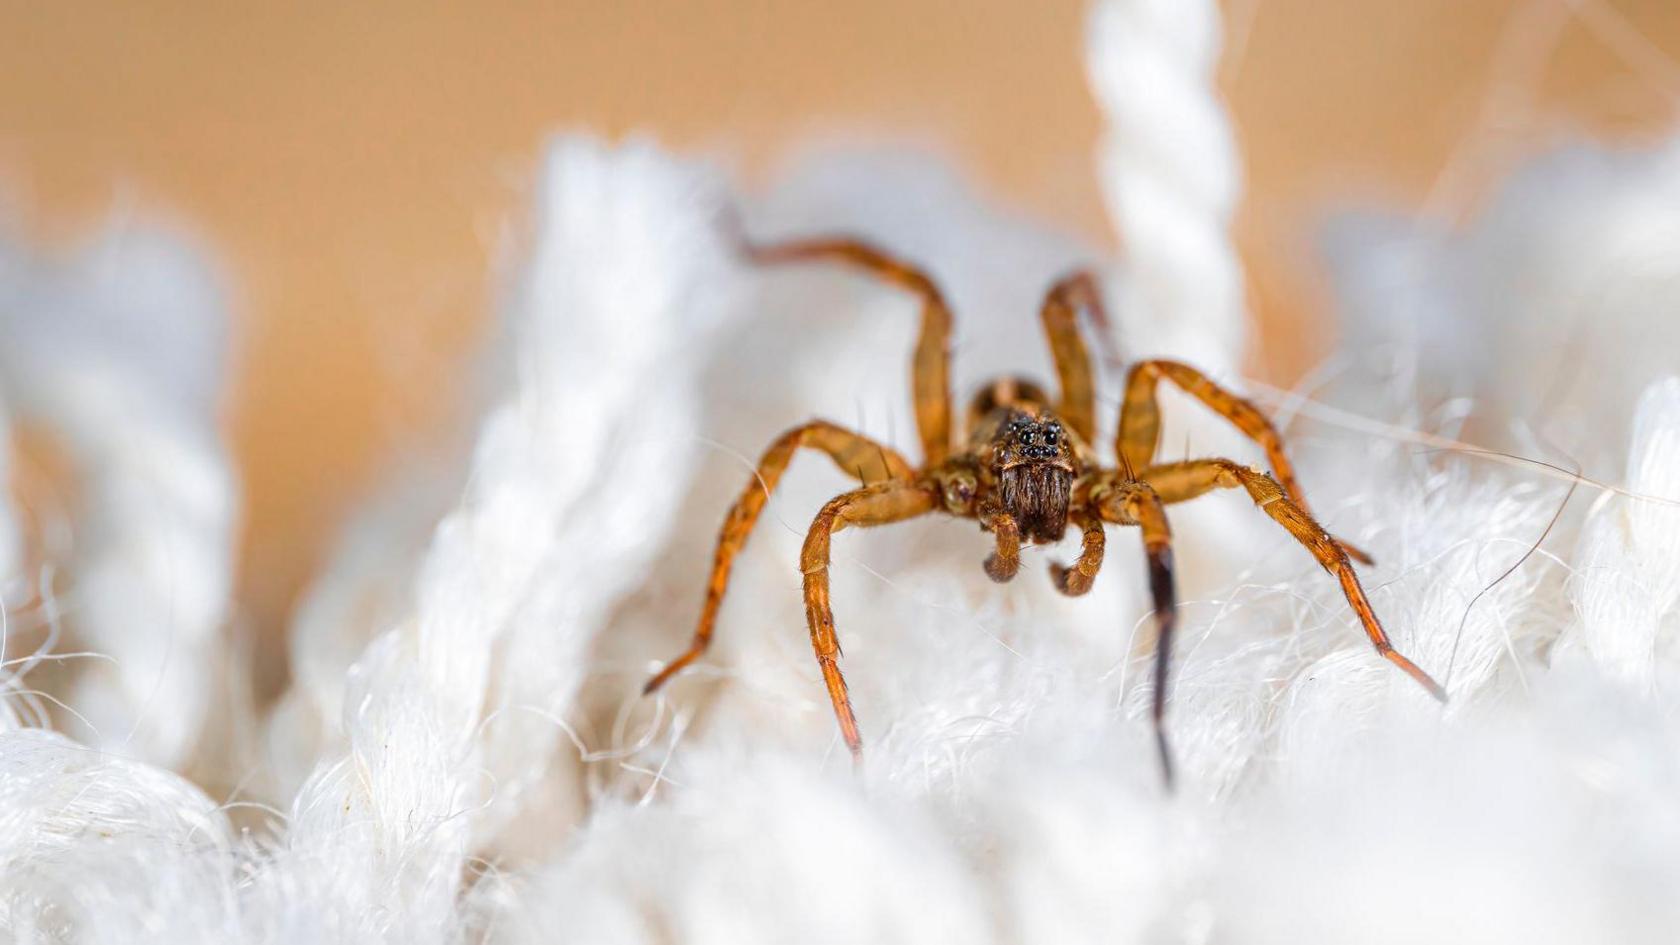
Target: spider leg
<point x="930" y="368"/>
<point x="1140" y="424"/>
<point x="855" y="454"/>
<point x="1131" y="502"/>
<point x="1077" y="579"/>
<point x="1177" y="482"/>
<point x="1060" y="314"/>
<point x="876" y="504"/>
<point x="1005" y="558"/>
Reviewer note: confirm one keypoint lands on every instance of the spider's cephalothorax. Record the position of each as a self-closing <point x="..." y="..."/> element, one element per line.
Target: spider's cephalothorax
<point x="1031" y="458"/>
<point x="1026" y="471"/>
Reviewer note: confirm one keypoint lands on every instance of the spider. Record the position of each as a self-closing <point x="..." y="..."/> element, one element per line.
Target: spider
<point x="1026" y="471"/>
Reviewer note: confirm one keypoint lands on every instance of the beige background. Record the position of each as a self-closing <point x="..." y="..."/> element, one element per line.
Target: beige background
<point x="352" y="162"/>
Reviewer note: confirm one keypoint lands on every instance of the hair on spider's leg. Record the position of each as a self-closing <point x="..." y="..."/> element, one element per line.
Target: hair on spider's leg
<point x="930" y="382"/>
<point x="1140" y="425"/>
<point x="853" y="453"/>
<point x="877" y="504"/>
<point x="1177" y="482"/>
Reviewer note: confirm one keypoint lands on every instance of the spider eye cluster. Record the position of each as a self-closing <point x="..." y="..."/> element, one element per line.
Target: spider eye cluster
<point x="1037" y="440"/>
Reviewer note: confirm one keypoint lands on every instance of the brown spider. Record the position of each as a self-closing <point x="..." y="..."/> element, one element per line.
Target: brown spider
<point x="1026" y="471"/>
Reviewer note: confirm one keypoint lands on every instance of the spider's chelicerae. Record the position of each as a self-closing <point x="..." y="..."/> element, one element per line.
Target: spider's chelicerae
<point x="1025" y="470"/>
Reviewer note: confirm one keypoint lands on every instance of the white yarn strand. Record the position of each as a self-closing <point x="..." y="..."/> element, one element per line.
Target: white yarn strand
<point x="1168" y="165"/>
<point x="363" y="588"/>
<point x="1627" y="585"/>
<point x="96" y="848"/>
<point x="461" y="743"/>
<point x="117" y="356"/>
<point x="516" y="579"/>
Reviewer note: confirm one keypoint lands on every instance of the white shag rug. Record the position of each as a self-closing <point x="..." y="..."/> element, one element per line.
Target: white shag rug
<point x="463" y="756"/>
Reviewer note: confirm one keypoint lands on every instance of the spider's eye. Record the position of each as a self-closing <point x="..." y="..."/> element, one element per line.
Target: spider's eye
<point x="1026" y="437"/>
<point x="1050" y="436"/>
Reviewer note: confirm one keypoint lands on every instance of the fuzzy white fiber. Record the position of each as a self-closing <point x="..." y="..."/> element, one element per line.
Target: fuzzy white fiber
<point x="464" y="755"/>
<point x="1169" y="167"/>
<point x="1531" y="309"/>
<point x="11" y="537"/>
<point x="115" y="356"/>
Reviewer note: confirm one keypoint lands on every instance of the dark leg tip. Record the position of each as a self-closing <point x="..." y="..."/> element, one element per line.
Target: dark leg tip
<point x="1068" y="581"/>
<point x="664" y="675"/>
<point x="998" y="570"/>
<point x="1416" y="672"/>
<point x="1167" y="779"/>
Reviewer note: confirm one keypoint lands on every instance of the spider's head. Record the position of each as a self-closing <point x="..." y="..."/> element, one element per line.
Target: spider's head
<point x="1034" y="464"/>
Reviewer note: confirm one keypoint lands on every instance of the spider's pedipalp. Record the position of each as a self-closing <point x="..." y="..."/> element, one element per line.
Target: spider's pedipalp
<point x="1076" y="579"/>
<point x="1005" y="558"/>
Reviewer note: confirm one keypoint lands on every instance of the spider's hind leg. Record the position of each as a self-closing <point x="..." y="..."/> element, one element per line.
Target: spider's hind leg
<point x="931" y="364"/>
<point x="1000" y="394"/>
<point x="855" y="454"/>
<point x="1060" y="315"/>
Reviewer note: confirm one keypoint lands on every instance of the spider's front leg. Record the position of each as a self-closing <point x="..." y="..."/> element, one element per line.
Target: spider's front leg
<point x="872" y="505"/>
<point x="1077" y="405"/>
<point x="855" y="454"/>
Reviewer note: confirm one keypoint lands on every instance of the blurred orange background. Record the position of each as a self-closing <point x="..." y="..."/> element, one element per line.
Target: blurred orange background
<point x="351" y="163"/>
